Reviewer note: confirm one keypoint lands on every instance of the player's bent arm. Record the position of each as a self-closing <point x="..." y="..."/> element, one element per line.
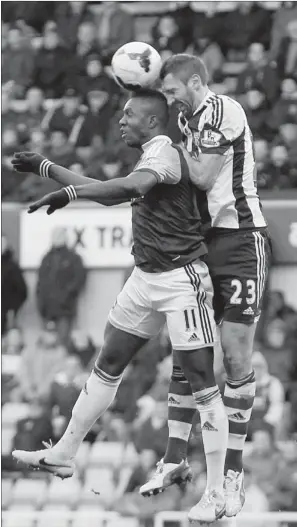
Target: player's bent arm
<point x="67" y="177"/>
<point x="205" y="169"/>
<point x="135" y="185"/>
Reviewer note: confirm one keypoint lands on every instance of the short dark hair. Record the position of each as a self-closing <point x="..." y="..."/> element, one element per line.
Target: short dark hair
<point x="185" y="66"/>
<point x="157" y="99"/>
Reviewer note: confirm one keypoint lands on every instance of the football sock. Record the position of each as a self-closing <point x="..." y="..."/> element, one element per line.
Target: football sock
<point x="214" y="427"/>
<point x="238" y="399"/>
<point x="97" y="395"/>
<point x="181" y="411"/>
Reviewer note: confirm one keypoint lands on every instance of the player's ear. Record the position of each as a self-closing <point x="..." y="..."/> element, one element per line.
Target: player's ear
<point x="195" y="82"/>
<point x="153" y="121"/>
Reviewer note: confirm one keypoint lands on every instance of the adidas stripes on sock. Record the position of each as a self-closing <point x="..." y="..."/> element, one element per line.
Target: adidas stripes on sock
<point x="181" y="411"/>
<point x="214" y="427"/>
<point x="97" y="395"/>
<point x="238" y="399"/>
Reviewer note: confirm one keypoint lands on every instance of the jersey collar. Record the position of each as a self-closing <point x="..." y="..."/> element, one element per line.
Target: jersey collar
<point x="208" y="94"/>
<point x="157" y="138"/>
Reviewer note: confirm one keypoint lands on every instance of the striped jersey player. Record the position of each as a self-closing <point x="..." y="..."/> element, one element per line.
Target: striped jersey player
<point x="218" y="146"/>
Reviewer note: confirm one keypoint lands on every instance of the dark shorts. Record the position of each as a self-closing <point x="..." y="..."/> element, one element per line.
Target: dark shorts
<point x="238" y="264"/>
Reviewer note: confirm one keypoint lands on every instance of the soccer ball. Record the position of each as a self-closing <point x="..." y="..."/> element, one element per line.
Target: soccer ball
<point x="136" y="65"/>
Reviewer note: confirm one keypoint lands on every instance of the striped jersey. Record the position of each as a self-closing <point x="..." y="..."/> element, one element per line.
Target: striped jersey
<point x="166" y="223"/>
<point x="219" y="126"/>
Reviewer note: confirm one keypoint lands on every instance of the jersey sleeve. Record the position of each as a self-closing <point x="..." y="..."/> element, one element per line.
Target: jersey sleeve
<point x="165" y="166"/>
<point x="224" y="122"/>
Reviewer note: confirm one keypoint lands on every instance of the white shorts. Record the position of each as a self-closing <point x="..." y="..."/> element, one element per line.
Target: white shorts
<point x="182" y="298"/>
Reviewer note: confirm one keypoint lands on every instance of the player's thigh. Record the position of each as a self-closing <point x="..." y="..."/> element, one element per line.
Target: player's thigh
<point x="188" y="308"/>
<point x="119" y="348"/>
<point x="239" y="269"/>
<point x="132" y="311"/>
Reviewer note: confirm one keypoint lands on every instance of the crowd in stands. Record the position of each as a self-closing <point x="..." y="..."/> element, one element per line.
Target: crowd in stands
<point x="41" y="381"/>
<point x="59" y="97"/>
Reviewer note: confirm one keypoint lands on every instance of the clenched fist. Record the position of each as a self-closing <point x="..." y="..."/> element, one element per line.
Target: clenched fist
<point x="31" y="162"/>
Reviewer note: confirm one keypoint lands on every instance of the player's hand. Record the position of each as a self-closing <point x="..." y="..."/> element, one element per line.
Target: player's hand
<point x="27" y="162"/>
<point x="55" y="200"/>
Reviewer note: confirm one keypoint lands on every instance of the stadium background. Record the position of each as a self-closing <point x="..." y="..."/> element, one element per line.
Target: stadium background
<point x="58" y="98"/>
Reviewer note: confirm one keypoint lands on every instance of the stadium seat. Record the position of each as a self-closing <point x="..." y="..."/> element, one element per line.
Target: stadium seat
<point x="29" y="491"/>
<point x="7" y="435"/>
<point x="18" y="518"/>
<point x="53" y="518"/>
<point x="6" y="492"/>
<point x="66" y="492"/>
<point x="82" y="456"/>
<point x="87" y="518"/>
<point x="13" y="412"/>
<point x="106" y="453"/>
<point x="100" y="480"/>
<point x="123" y="522"/>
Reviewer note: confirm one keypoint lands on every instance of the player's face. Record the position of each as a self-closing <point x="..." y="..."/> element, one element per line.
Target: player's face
<point x="134" y="123"/>
<point x="179" y="93"/>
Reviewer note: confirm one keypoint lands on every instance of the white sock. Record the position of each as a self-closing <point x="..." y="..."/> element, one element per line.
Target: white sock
<point x="214" y="426"/>
<point x="97" y="395"/>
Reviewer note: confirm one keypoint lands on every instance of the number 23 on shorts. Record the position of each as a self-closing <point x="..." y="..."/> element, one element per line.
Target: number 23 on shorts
<point x="243" y="290"/>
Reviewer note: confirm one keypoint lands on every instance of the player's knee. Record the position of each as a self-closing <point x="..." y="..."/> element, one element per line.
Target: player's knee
<point x="197" y="366"/>
<point x="237" y="346"/>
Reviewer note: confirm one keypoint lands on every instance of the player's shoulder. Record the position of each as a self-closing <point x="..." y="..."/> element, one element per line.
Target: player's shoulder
<point x="223" y="110"/>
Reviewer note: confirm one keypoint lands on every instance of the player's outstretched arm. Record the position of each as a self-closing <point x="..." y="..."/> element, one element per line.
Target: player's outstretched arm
<point x="134" y="185"/>
<point x="41" y="166"/>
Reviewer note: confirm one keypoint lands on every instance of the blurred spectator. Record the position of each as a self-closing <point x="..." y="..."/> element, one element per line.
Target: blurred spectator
<point x="286" y="107"/>
<point x="86" y="44"/>
<point x="53" y="64"/>
<point x="13" y="341"/>
<point x="17" y="62"/>
<point x="66" y="115"/>
<point x="95" y="78"/>
<point x="257" y="111"/>
<point x="13" y="287"/>
<point x="288" y="136"/>
<point x="94" y="156"/>
<point x="277" y="306"/>
<point x="115" y="27"/>
<point x="61" y="278"/>
<point x="35" y="111"/>
<point x="34" y="14"/>
<point x="33" y="429"/>
<point x="262" y="163"/>
<point x="287" y="55"/>
<point x="59" y="150"/>
<point x="259" y="73"/>
<point x="281" y="17"/>
<point x="40" y="363"/>
<point x="153" y="433"/>
<point x="285" y="495"/>
<point x="82" y="347"/>
<point x="37" y="141"/>
<point x="206" y="47"/>
<point x="256" y="501"/>
<point x="69" y="16"/>
<point x="166" y="35"/>
<point x="270" y="395"/>
<point x="282" y="172"/>
<point x="97" y="118"/>
<point x="246" y="24"/>
<point x="64" y="391"/>
<point x="264" y="461"/>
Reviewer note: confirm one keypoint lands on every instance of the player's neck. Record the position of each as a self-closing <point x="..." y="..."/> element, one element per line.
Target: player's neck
<point x="199" y="96"/>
